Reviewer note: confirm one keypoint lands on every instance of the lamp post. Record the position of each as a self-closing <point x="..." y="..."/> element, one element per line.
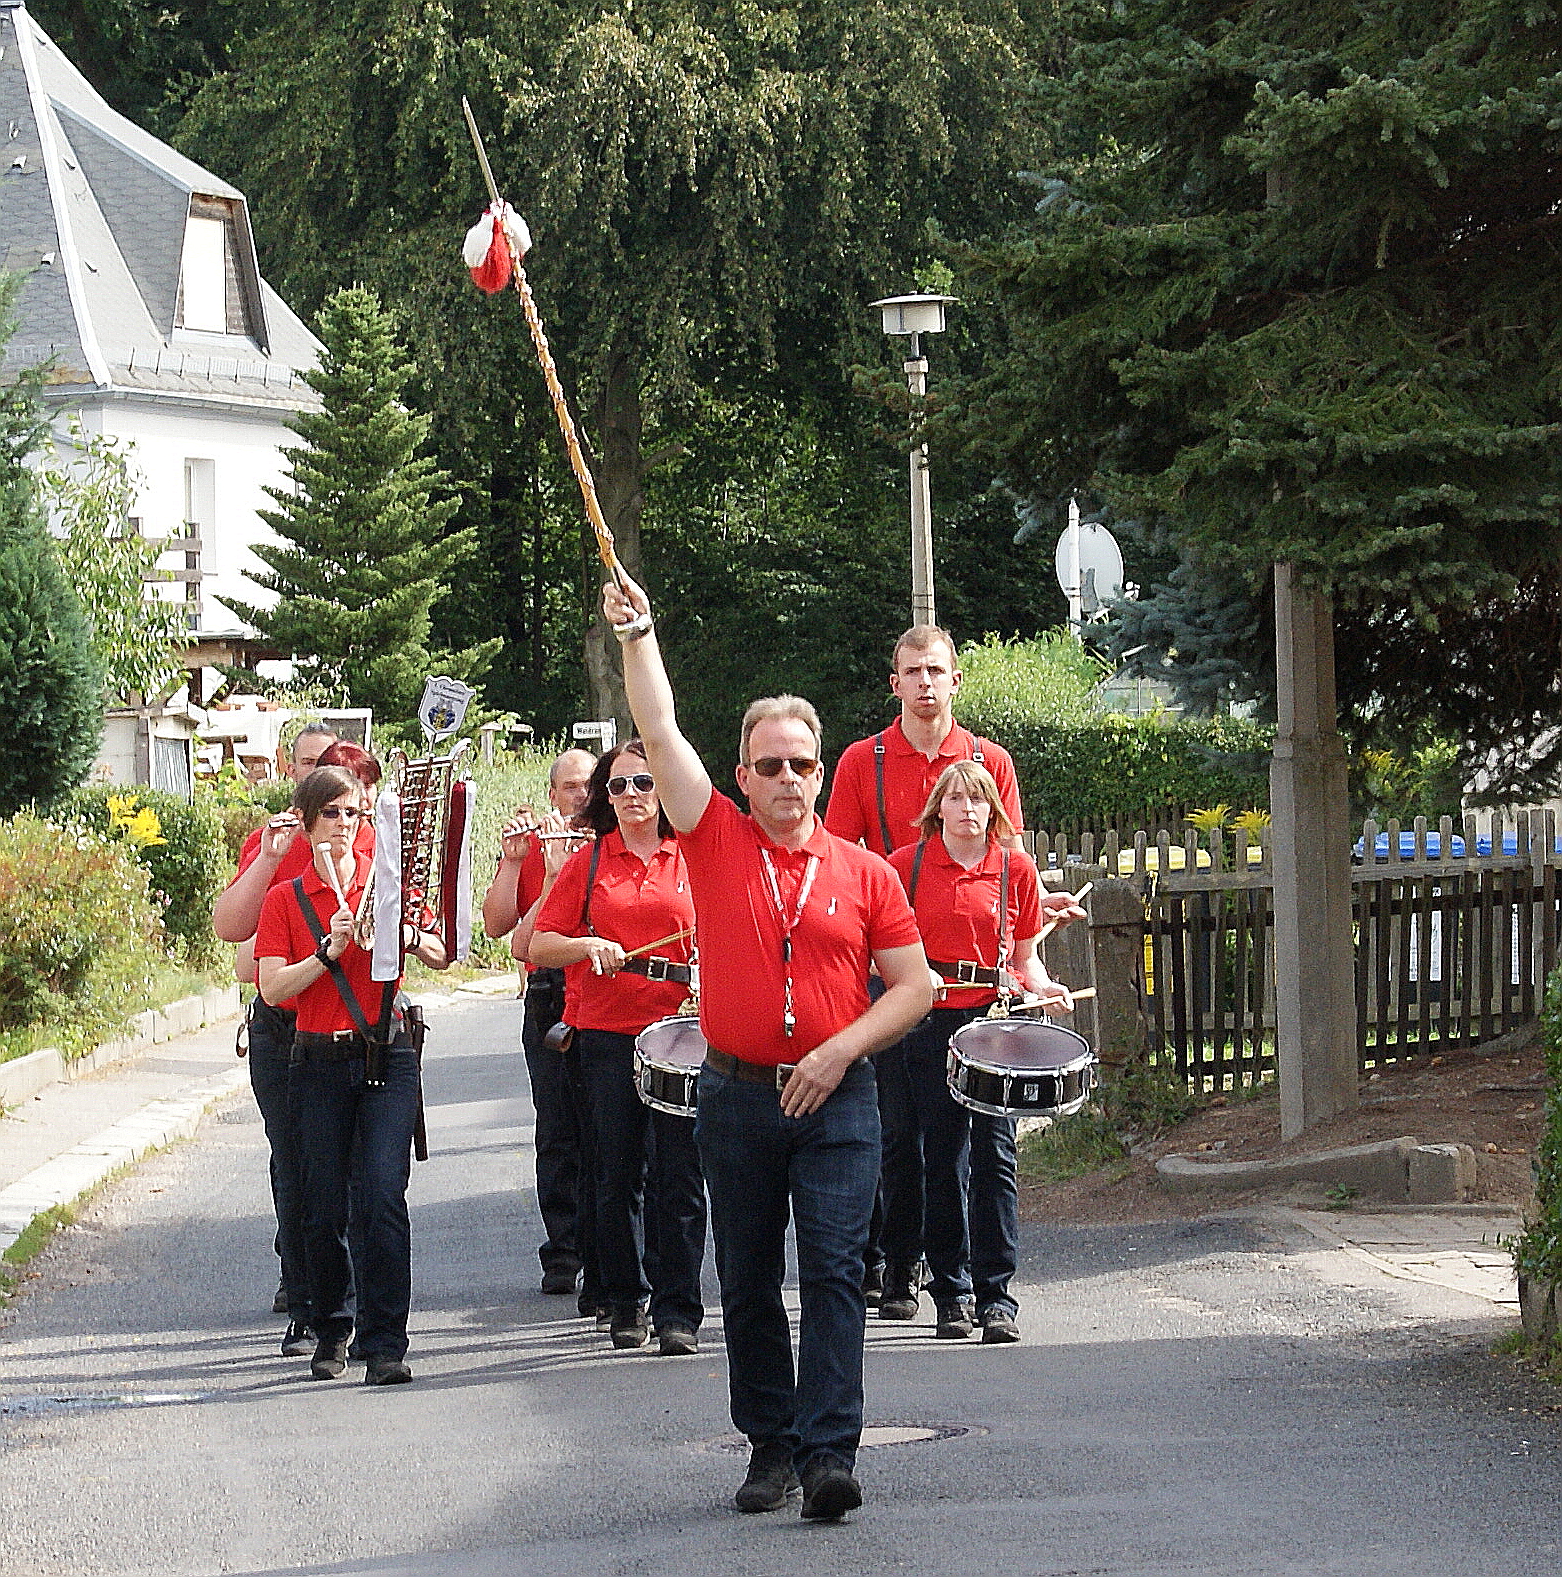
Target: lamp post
<point x="916" y="316"/>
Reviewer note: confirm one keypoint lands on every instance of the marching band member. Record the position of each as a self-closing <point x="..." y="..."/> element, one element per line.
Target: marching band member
<point x="344" y="1120"/>
<point x="787" y="1124"/>
<point x="971" y="894"/>
<point x="626" y="894"/>
<point x="525" y="875"/>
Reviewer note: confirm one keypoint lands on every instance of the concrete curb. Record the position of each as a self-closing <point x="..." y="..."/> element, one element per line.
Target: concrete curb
<point x="23" y="1077"/>
<point x="84" y="1166"/>
<point x="1394" y="1170"/>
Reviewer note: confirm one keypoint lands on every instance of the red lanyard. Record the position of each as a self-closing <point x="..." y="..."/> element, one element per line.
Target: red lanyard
<point x="788" y="926"/>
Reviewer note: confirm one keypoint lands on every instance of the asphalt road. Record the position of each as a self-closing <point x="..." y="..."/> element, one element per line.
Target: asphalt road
<point x="1190" y="1398"/>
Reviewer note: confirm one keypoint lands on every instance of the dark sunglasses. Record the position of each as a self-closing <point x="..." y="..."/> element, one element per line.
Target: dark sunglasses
<point x="342" y="812"/>
<point x="641" y="782"/>
<point x="770" y="766"/>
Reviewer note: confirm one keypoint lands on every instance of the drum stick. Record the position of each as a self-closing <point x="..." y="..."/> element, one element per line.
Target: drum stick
<point x="677" y="936"/>
<point x="1052" y="925"/>
<point x="1081" y="996"/>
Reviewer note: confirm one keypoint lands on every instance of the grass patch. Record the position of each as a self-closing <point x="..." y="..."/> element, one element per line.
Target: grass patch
<point x="34" y="1239"/>
<point x="1137" y="1104"/>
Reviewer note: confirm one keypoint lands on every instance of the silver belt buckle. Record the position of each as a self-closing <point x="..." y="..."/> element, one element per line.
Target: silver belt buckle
<point x="656" y="968"/>
<point x="965" y="972"/>
<point x="343" y="1034"/>
<point x="784" y="1071"/>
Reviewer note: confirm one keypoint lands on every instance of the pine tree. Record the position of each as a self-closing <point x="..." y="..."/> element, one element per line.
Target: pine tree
<point x="363" y="555"/>
<point x="1294" y="294"/>
<point x="52" y="687"/>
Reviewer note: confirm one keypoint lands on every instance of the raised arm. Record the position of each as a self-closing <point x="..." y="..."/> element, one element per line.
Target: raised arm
<point x="682" y="783"/>
<point x="237" y="910"/>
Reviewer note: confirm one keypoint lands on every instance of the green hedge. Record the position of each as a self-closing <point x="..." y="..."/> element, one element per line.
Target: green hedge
<point x="1537" y="1253"/>
<point x="1117" y="769"/>
<point x="79" y="933"/>
<point x="187" y="871"/>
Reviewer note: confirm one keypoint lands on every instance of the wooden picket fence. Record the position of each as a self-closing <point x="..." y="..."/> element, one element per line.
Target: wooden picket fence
<point x="1456" y="930"/>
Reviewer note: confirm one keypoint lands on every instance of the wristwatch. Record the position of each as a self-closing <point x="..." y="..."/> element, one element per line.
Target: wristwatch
<point x="323" y="951"/>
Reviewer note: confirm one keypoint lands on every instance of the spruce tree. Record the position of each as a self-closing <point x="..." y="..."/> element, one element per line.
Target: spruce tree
<point x="52" y="687"/>
<point x="363" y="554"/>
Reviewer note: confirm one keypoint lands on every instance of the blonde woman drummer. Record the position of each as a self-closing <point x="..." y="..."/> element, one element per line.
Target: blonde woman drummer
<point x="611" y="902"/>
<point x="977" y="907"/>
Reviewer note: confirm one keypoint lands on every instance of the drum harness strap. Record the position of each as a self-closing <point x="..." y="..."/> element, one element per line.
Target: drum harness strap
<point x="967" y="972"/>
<point x="652" y="968"/>
<point x="878" y="782"/>
<point x="376" y="1038"/>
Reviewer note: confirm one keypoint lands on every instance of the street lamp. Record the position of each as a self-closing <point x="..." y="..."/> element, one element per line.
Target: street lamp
<point x="916" y="316"/>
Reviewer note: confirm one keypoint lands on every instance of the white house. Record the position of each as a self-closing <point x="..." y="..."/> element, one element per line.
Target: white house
<point x="143" y="293"/>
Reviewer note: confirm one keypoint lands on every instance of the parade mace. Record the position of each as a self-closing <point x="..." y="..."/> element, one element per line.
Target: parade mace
<point x="494" y="249"/>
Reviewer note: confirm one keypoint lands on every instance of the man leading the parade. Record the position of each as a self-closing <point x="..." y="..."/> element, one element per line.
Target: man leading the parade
<point x="788" y="919"/>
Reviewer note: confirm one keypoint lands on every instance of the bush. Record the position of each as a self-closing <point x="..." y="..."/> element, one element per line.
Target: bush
<point x="1537" y="1253"/>
<point x="188" y="866"/>
<point x="78" y="930"/>
<point x="1118" y="770"/>
<point x="1051" y="679"/>
<point x="516" y="778"/>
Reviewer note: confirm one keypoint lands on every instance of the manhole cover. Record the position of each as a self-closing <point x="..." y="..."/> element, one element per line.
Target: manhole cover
<point x="875" y="1436"/>
<point x="24" y="1406"/>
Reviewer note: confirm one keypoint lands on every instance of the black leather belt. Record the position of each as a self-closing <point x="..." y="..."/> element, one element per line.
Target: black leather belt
<point x="341" y="1046"/>
<point x="751" y="1072"/>
<point x="659" y="969"/>
<point x="965" y="973"/>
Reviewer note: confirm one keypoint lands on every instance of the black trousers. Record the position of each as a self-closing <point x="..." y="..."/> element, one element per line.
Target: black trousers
<point x="558" y="1131"/>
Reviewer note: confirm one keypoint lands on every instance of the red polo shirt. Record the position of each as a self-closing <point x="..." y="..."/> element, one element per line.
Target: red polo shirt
<point x="529" y="878"/>
<point x="957" y="909"/>
<point x="284" y="933"/>
<point x="853" y="811"/>
<point x="298" y="859"/>
<point x="632" y="903"/>
<point x="854" y="908"/>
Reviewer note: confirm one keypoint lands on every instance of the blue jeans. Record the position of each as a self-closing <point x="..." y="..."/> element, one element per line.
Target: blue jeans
<point x="557" y="1141"/>
<point x="270" y="1050"/>
<point x="761" y="1168"/>
<point x="339" y="1117"/>
<point x="648" y="1189"/>
<point x="969" y="1199"/>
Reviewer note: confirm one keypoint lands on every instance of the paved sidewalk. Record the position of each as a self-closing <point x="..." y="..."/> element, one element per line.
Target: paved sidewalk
<point x="1452" y="1246"/>
<point x="71" y="1136"/>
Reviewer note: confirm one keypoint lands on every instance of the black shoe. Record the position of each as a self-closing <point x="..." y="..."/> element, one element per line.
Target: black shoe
<point x="900" y="1299"/>
<point x="586" y="1305"/>
<point x="770" y="1480"/>
<point x="279" y="1303"/>
<point x="297" y="1339"/>
<point x="385" y="1371"/>
<point x="330" y="1358"/>
<point x="678" y="1341"/>
<point x="872" y="1285"/>
<point x="627" y="1326"/>
<point x="829" y="1490"/>
<point x="956" y="1320"/>
<point x="998" y="1326"/>
<point x="559" y="1281"/>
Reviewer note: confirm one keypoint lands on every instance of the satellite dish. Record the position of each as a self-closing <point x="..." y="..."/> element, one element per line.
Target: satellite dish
<point x="1100" y="567"/>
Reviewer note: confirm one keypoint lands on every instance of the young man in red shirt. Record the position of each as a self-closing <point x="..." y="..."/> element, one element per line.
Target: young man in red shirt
<point x="788" y="919"/>
<point x="880" y="789"/>
<point x="513" y="898"/>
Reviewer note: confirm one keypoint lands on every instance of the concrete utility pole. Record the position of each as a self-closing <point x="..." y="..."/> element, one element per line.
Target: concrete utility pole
<point x="1315" y="999"/>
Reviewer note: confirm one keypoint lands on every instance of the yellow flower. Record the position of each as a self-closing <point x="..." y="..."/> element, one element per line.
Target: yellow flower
<point x="144" y="829"/>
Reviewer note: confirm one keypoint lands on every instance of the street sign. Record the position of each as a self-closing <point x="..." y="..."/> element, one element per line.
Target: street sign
<point x="606" y="731"/>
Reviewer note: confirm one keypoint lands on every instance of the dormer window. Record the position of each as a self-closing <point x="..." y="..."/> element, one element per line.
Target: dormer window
<point x="211" y="297"/>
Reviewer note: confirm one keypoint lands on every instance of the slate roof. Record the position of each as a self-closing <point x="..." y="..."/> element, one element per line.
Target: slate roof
<point x="93" y="211"/>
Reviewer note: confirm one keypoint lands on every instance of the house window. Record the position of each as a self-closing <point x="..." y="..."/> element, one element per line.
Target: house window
<point x="211" y="294"/>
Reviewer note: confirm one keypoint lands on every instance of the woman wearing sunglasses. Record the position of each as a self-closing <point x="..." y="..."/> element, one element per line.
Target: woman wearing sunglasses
<point x="344" y="1119"/>
<point x="617" y="924"/>
<point x="977" y="905"/>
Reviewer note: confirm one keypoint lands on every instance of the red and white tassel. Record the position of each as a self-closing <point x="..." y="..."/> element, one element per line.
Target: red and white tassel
<point x="493" y="245"/>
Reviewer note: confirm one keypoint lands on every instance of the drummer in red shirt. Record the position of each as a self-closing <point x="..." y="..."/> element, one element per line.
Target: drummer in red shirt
<point x="342" y="1117"/>
<point x="976" y="903"/>
<point x="628" y="891"/>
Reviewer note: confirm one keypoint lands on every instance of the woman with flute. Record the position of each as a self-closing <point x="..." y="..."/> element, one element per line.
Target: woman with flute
<point x="354" y="1099"/>
<point x="977" y="907"/>
<point x="618" y="922"/>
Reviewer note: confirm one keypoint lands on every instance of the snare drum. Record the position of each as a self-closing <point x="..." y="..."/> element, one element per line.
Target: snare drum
<point x="668" y="1057"/>
<point x="1020" y="1067"/>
